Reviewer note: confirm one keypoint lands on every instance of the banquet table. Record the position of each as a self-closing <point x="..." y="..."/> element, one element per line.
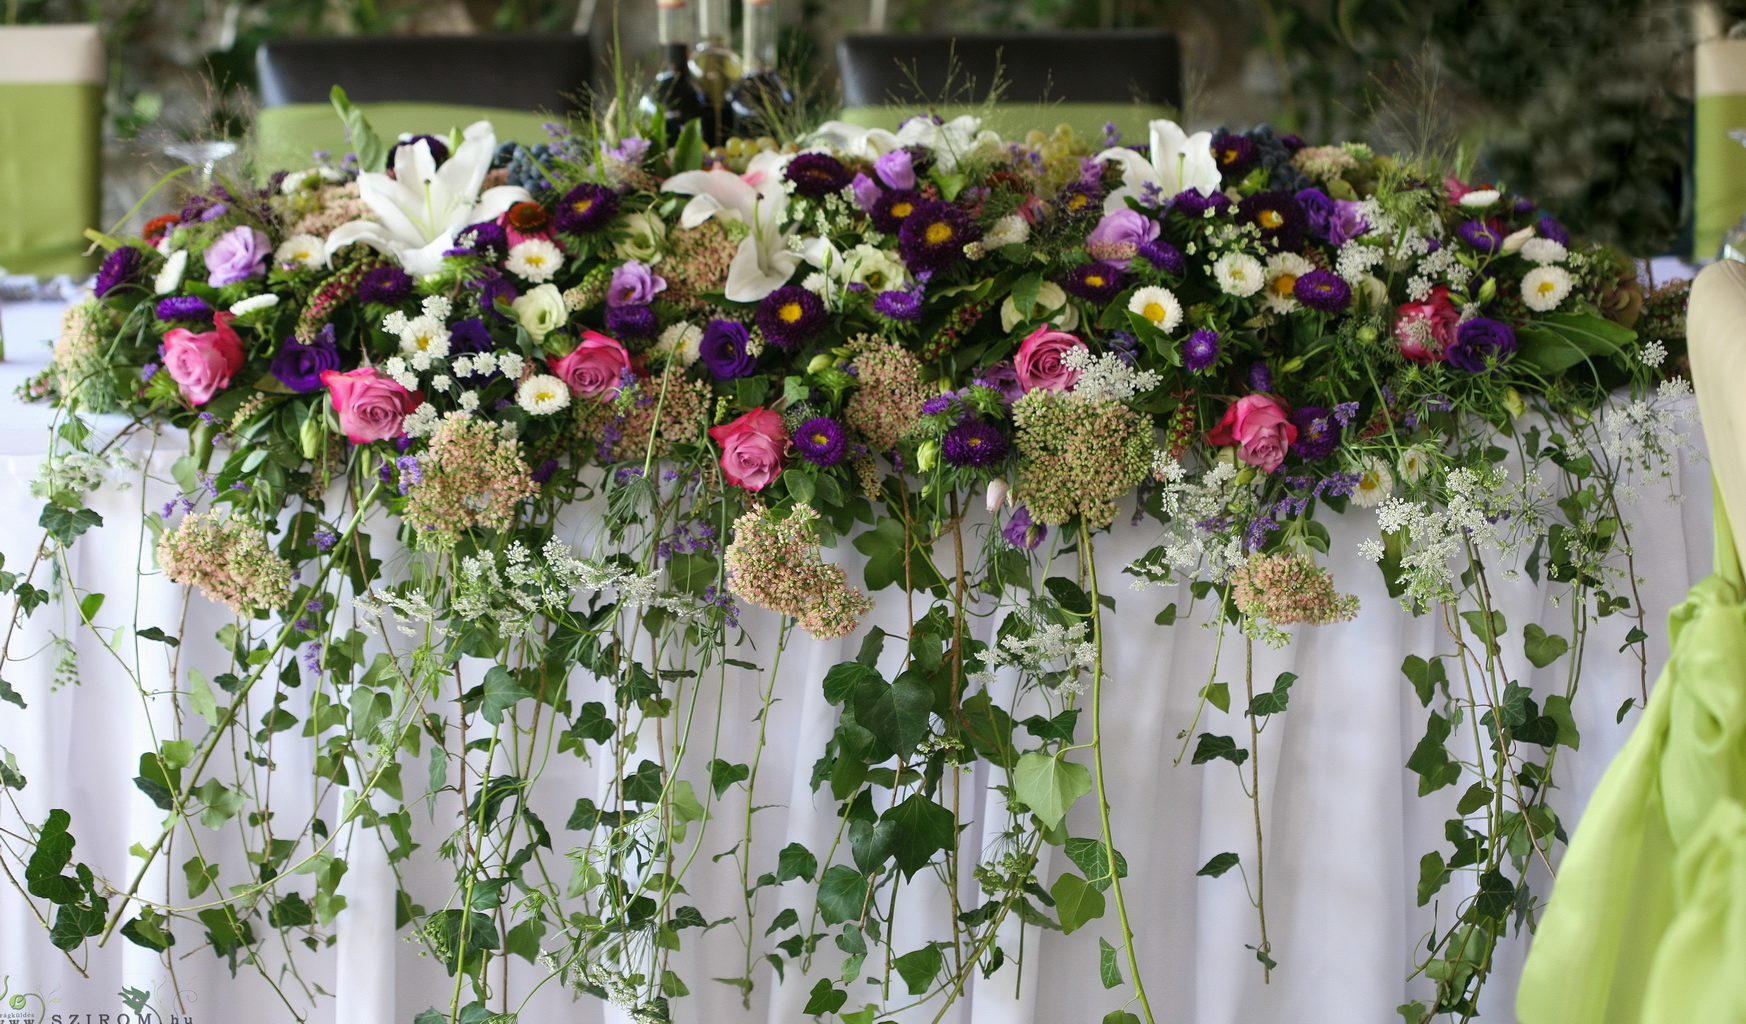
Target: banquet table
<point x="1345" y="828"/>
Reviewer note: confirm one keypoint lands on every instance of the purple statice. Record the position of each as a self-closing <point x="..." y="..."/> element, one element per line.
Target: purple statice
<point x="439" y="149"/>
<point x="486" y="238"/>
<point x="1255" y="535"/>
<point x="1163" y="255"/>
<point x="1190" y="203"/>
<point x="902" y="305"/>
<point x="1323" y="291"/>
<point x="634" y="283"/>
<point x="1345" y="412"/>
<point x="724" y="350"/>
<point x="323" y="538"/>
<point x="1439" y="403"/>
<point x="632" y="322"/>
<point x="384" y="286"/>
<point x="896" y="169"/>
<point x="1318" y="433"/>
<point x="148" y="371"/>
<point x="1002" y="377"/>
<point x="411" y="473"/>
<point x="724" y="601"/>
<point x="973" y="444"/>
<point x="817" y="175"/>
<point x="1200" y="350"/>
<point x="183" y="308"/>
<point x="934" y="235"/>
<point x="312" y="657"/>
<point x="1548" y="227"/>
<point x="1112" y="135"/>
<point x="1260" y="377"/>
<point x="1483" y="236"/>
<point x="791" y="315"/>
<point x="299" y="366"/>
<point x="1279" y="217"/>
<point x="121" y="267"/>
<point x="1021" y="532"/>
<point x="1482" y="344"/>
<point x="543" y="472"/>
<point x="891" y="209"/>
<point x="586" y="208"/>
<point x="1338" y="485"/>
<point x="1124" y="346"/>
<point x="1235" y="154"/>
<point x="822" y="441"/>
<point x="1095" y="282"/>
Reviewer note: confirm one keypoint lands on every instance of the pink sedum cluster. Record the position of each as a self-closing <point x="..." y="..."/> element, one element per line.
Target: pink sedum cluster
<point x="775" y="564"/>
<point x="887" y="404"/>
<point x="1289" y="589"/>
<point x="1078" y="458"/>
<point x="472" y="475"/>
<point x="227" y="559"/>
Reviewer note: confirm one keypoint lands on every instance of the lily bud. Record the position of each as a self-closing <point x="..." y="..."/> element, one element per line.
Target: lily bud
<point x="1488" y="290"/>
<point x="1292" y="365"/>
<point x="999" y="493"/>
<point x="927" y="456"/>
<point x="1514" y="403"/>
<point x="309" y="436"/>
<point x="820" y="363"/>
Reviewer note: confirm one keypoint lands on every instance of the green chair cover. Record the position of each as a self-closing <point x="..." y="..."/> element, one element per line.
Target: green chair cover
<point x="289" y="134"/>
<point x="51" y="150"/>
<point x="1718" y="162"/>
<point x="1013" y="120"/>
<point x="1647" y="921"/>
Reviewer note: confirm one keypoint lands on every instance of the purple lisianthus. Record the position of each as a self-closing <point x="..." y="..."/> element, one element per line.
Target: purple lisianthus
<point x="1164" y="256"/>
<point x="1235" y="154"/>
<point x="183" y="308"/>
<point x="1021" y="532"/>
<point x="1190" y="203"/>
<point x="1124" y="346"/>
<point x="120" y="267"/>
<point x="724" y="350"/>
<point x="587" y="207"/>
<point x="496" y="290"/>
<point x="1003" y="378"/>
<point x="237" y="255"/>
<point x="891" y="209"/>
<point x="822" y="441"/>
<point x="439" y="150"/>
<point x="1279" y="216"/>
<point x="469" y="337"/>
<point x="866" y="192"/>
<point x="817" y="174"/>
<point x="486" y="238"/>
<point x="1480" y="343"/>
<point x="1318" y="433"/>
<point x="1200" y="350"/>
<point x="896" y="169"/>
<point x="1119" y="235"/>
<point x="299" y="366"/>
<point x="973" y="444"/>
<point x="790" y="315"/>
<point x="934" y="235"/>
<point x="1260" y="377"/>
<point x="1094" y="282"/>
<point x="1323" y="291"/>
<point x="634" y="284"/>
<point x="1335" y="221"/>
<point x="632" y="322"/>
<point x="1481" y="235"/>
<point x="903" y="306"/>
<point x="384" y="286"/>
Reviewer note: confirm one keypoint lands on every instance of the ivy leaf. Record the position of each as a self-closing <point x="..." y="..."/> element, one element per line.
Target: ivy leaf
<point x="1218" y="695"/>
<point x="795" y="861"/>
<point x="1495" y="896"/>
<point x="67" y="524"/>
<point x="154" y="633"/>
<point x="920" y="968"/>
<point x="1432" y="876"/>
<point x="924" y="828"/>
<point x="1543" y="649"/>
<point x="54" y="849"/>
<point x="1426" y="676"/>
<point x="842" y="893"/>
<point x="1211" y="747"/>
<point x="643" y="786"/>
<point x="502" y="692"/>
<point x="9" y="695"/>
<point x="1049" y="785"/>
<point x="897" y="713"/>
<point x="1558" y="709"/>
<point x="1120" y="1017"/>
<point x="842" y="681"/>
<point x="1275" y="700"/>
<point x="200" y="696"/>
<point x="1068" y="595"/>
<point x="1107" y="968"/>
<point x="593" y="723"/>
<point x="1091" y="857"/>
<point x="884" y="546"/>
<point x="826" y="997"/>
<point x="722" y="775"/>
<point x="1076" y="902"/>
<point x="1218" y="865"/>
<point x="148" y="930"/>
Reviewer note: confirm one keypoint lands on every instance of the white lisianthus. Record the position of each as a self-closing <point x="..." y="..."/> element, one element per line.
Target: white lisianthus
<point x="313" y="176"/>
<point x="541" y="311"/>
<point x="1008" y="230"/>
<point x="535" y="260"/>
<point x="1159" y="305"/>
<point x="1543" y="251"/>
<point x="1544" y="287"/>
<point x="1283" y="270"/>
<point x="425" y="335"/>
<point x="999" y="493"/>
<point x="644" y="235"/>
<point x="1050" y="298"/>
<point x="243" y="307"/>
<point x="543" y="394"/>
<point x="170" y="276"/>
<point x="303" y="252"/>
<point x="875" y="268"/>
<point x="1239" y="274"/>
<point x="1480" y="198"/>
<point x="1514" y="241"/>
<point x="1375" y="483"/>
<point x="1371" y="293"/>
<point x="680" y="342"/>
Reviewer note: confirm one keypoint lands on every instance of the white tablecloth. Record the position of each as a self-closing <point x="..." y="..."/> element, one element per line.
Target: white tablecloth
<point x="1344" y="825"/>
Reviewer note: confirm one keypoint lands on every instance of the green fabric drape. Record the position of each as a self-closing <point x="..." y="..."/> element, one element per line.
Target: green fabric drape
<point x="51" y="161"/>
<point x="290" y="133"/>
<point x="1647" y="921"/>
<point x="1013" y="120"/>
<point x="1718" y="171"/>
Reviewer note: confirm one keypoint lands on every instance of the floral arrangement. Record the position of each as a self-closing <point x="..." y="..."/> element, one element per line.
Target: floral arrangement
<point x="861" y="335"/>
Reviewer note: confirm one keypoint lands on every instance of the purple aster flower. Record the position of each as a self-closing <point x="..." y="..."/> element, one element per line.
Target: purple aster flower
<point x="299" y="366"/>
<point x="1119" y="236"/>
<point x="1200" y="350"/>
<point x="1482" y="235"/>
<point x="120" y="267"/>
<point x="1080" y="199"/>
<point x="1323" y="290"/>
<point x="891" y="209"/>
<point x="1164" y="256"/>
<point x="904" y="306"/>
<point x="973" y="444"/>
<point x="586" y="208"/>
<point x="934" y="235"/>
<point x="1280" y="217"/>
<point x="1190" y="203"/>
<point x="1002" y="377"/>
<point x="185" y="308"/>
<point x="791" y="315"/>
<point x="1235" y="154"/>
<point x="1318" y="433"/>
<point x="1550" y="228"/>
<point x="936" y="405"/>
<point x="632" y="322"/>
<point x="634" y="284"/>
<point x="1021" y="532"/>
<point x="1480" y="343"/>
<point x="1260" y="377"/>
<point x="486" y="238"/>
<point x="866" y="192"/>
<point x="1094" y="282"/>
<point x="896" y="169"/>
<point x="817" y="175"/>
<point x="384" y="286"/>
<point x="469" y="337"/>
<point x="496" y="291"/>
<point x="821" y="441"/>
<point x="723" y="350"/>
<point x="439" y="150"/>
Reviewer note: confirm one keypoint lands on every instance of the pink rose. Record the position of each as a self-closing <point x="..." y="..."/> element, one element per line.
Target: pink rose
<point x="371" y="407"/>
<point x="203" y="363"/>
<point x="751" y="448"/>
<point x="1039" y="360"/>
<point x="1261" y="427"/>
<point x="1423" y="331"/>
<point x="596" y="367"/>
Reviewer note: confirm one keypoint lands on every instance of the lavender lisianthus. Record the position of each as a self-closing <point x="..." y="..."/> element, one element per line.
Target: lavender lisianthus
<point x="1003" y="378"/>
<point x="469" y="337"/>
<point x="866" y="192"/>
<point x="183" y="308"/>
<point x="634" y="284"/>
<point x="632" y="322"/>
<point x="822" y="441"/>
<point x="973" y="444"/>
<point x="120" y="267"/>
<point x="725" y="350"/>
<point x="896" y="169"/>
<point x="1021" y="532"/>
<point x="237" y="255"/>
<point x="1480" y="344"/>
<point x="1323" y="291"/>
<point x="1119" y="235"/>
<point x="1200" y="350"/>
<point x="384" y="286"/>
<point x="299" y="366"/>
<point x="1318" y="433"/>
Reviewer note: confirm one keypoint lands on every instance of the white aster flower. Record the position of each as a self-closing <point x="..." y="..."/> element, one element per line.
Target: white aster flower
<point x="1283" y="270"/>
<point x="543" y="394"/>
<point x="535" y="260"/>
<point x="1414" y="463"/>
<point x="1239" y="274"/>
<point x="302" y="252"/>
<point x="1159" y="305"/>
<point x="1544" y="287"/>
<point x="1375" y="483"/>
<point x="680" y="342"/>
<point x="1543" y="251"/>
<point x="243" y="307"/>
<point x="170" y="276"/>
<point x="1008" y="230"/>
<point x="1480" y="198"/>
<point x="425" y="335"/>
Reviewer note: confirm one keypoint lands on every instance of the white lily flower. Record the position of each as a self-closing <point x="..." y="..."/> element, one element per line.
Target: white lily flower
<point x="765" y="260"/>
<point x="422" y="207"/>
<point x="1179" y="162"/>
<point x="853" y="140"/>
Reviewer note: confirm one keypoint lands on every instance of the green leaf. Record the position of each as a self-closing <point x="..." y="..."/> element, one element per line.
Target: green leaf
<point x="1558" y="709"/>
<point x="1091" y="857"/>
<point x="9" y="695"/>
<point x="688" y="151"/>
<point x="795" y="861"/>
<point x="643" y="785"/>
<point x="842" y="894"/>
<point x="226" y="933"/>
<point x="1476" y="624"/>
<point x="1426" y="676"/>
<point x="920" y="968"/>
<point x="593" y="723"/>
<point x="826" y="996"/>
<point x="502" y="691"/>
<point x="1049" y="785"/>
<point x="1218" y="695"/>
<point x="1432" y="876"/>
<point x="1210" y="747"/>
<point x="722" y="775"/>
<point x="1496" y="894"/>
<point x="885" y="545"/>
<point x="524" y="940"/>
<point x="1477" y="796"/>
<point x="89" y="605"/>
<point x="199" y="875"/>
<point x="1107" y="968"/>
<point x="372" y="154"/>
<point x="200" y="696"/>
<point x="1120" y="1017"/>
<point x="1625" y="709"/>
<point x="1558" y="341"/>
<point x="67" y="524"/>
<point x="54" y="849"/>
<point x="1275" y="700"/>
<point x="841" y="681"/>
<point x="1024" y="294"/>
<point x="291" y="912"/>
<point x="1543" y="649"/>
<point x="897" y="713"/>
<point x="1076" y="902"/>
<point x="148" y="930"/>
<point x="1067" y="594"/>
<point x="1218" y="865"/>
<point x="154" y="633"/>
<point x="924" y="828"/>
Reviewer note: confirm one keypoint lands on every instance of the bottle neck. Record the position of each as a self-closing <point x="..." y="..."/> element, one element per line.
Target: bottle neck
<point x="760" y="48"/>
<point x="674" y="24"/>
<point x="714" y="22"/>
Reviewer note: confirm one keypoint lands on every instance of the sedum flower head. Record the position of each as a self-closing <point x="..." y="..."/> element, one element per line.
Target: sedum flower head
<point x="227" y="559"/>
<point x="775" y="564"/>
<point x="472" y="475"/>
<point x="1288" y="589"/>
<point x="1078" y="457"/>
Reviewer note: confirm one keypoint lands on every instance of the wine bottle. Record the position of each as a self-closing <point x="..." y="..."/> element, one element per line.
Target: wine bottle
<point x="761" y="96"/>
<point x="716" y="66"/>
<point x="675" y="97"/>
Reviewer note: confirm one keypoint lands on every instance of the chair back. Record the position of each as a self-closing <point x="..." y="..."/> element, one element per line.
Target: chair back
<point x="51" y="146"/>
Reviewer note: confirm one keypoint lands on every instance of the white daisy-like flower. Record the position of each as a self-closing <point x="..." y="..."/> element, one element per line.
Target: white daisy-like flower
<point x="1375" y="483"/>
<point x="1159" y="305"/>
<point x="535" y="260"/>
<point x="170" y="276"/>
<point x="1239" y="274"/>
<point x="425" y="334"/>
<point x="543" y="394"/>
<point x="1544" y="287"/>
<point x="680" y="342"/>
<point x="1008" y="230"/>
<point x="1544" y="251"/>
<point x="243" y="307"/>
<point x="1283" y="270"/>
<point x="302" y="252"/>
<point x="1415" y="462"/>
<point x="1480" y="198"/>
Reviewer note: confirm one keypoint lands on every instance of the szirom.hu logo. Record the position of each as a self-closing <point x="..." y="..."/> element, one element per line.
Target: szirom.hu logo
<point x="143" y="1017"/>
